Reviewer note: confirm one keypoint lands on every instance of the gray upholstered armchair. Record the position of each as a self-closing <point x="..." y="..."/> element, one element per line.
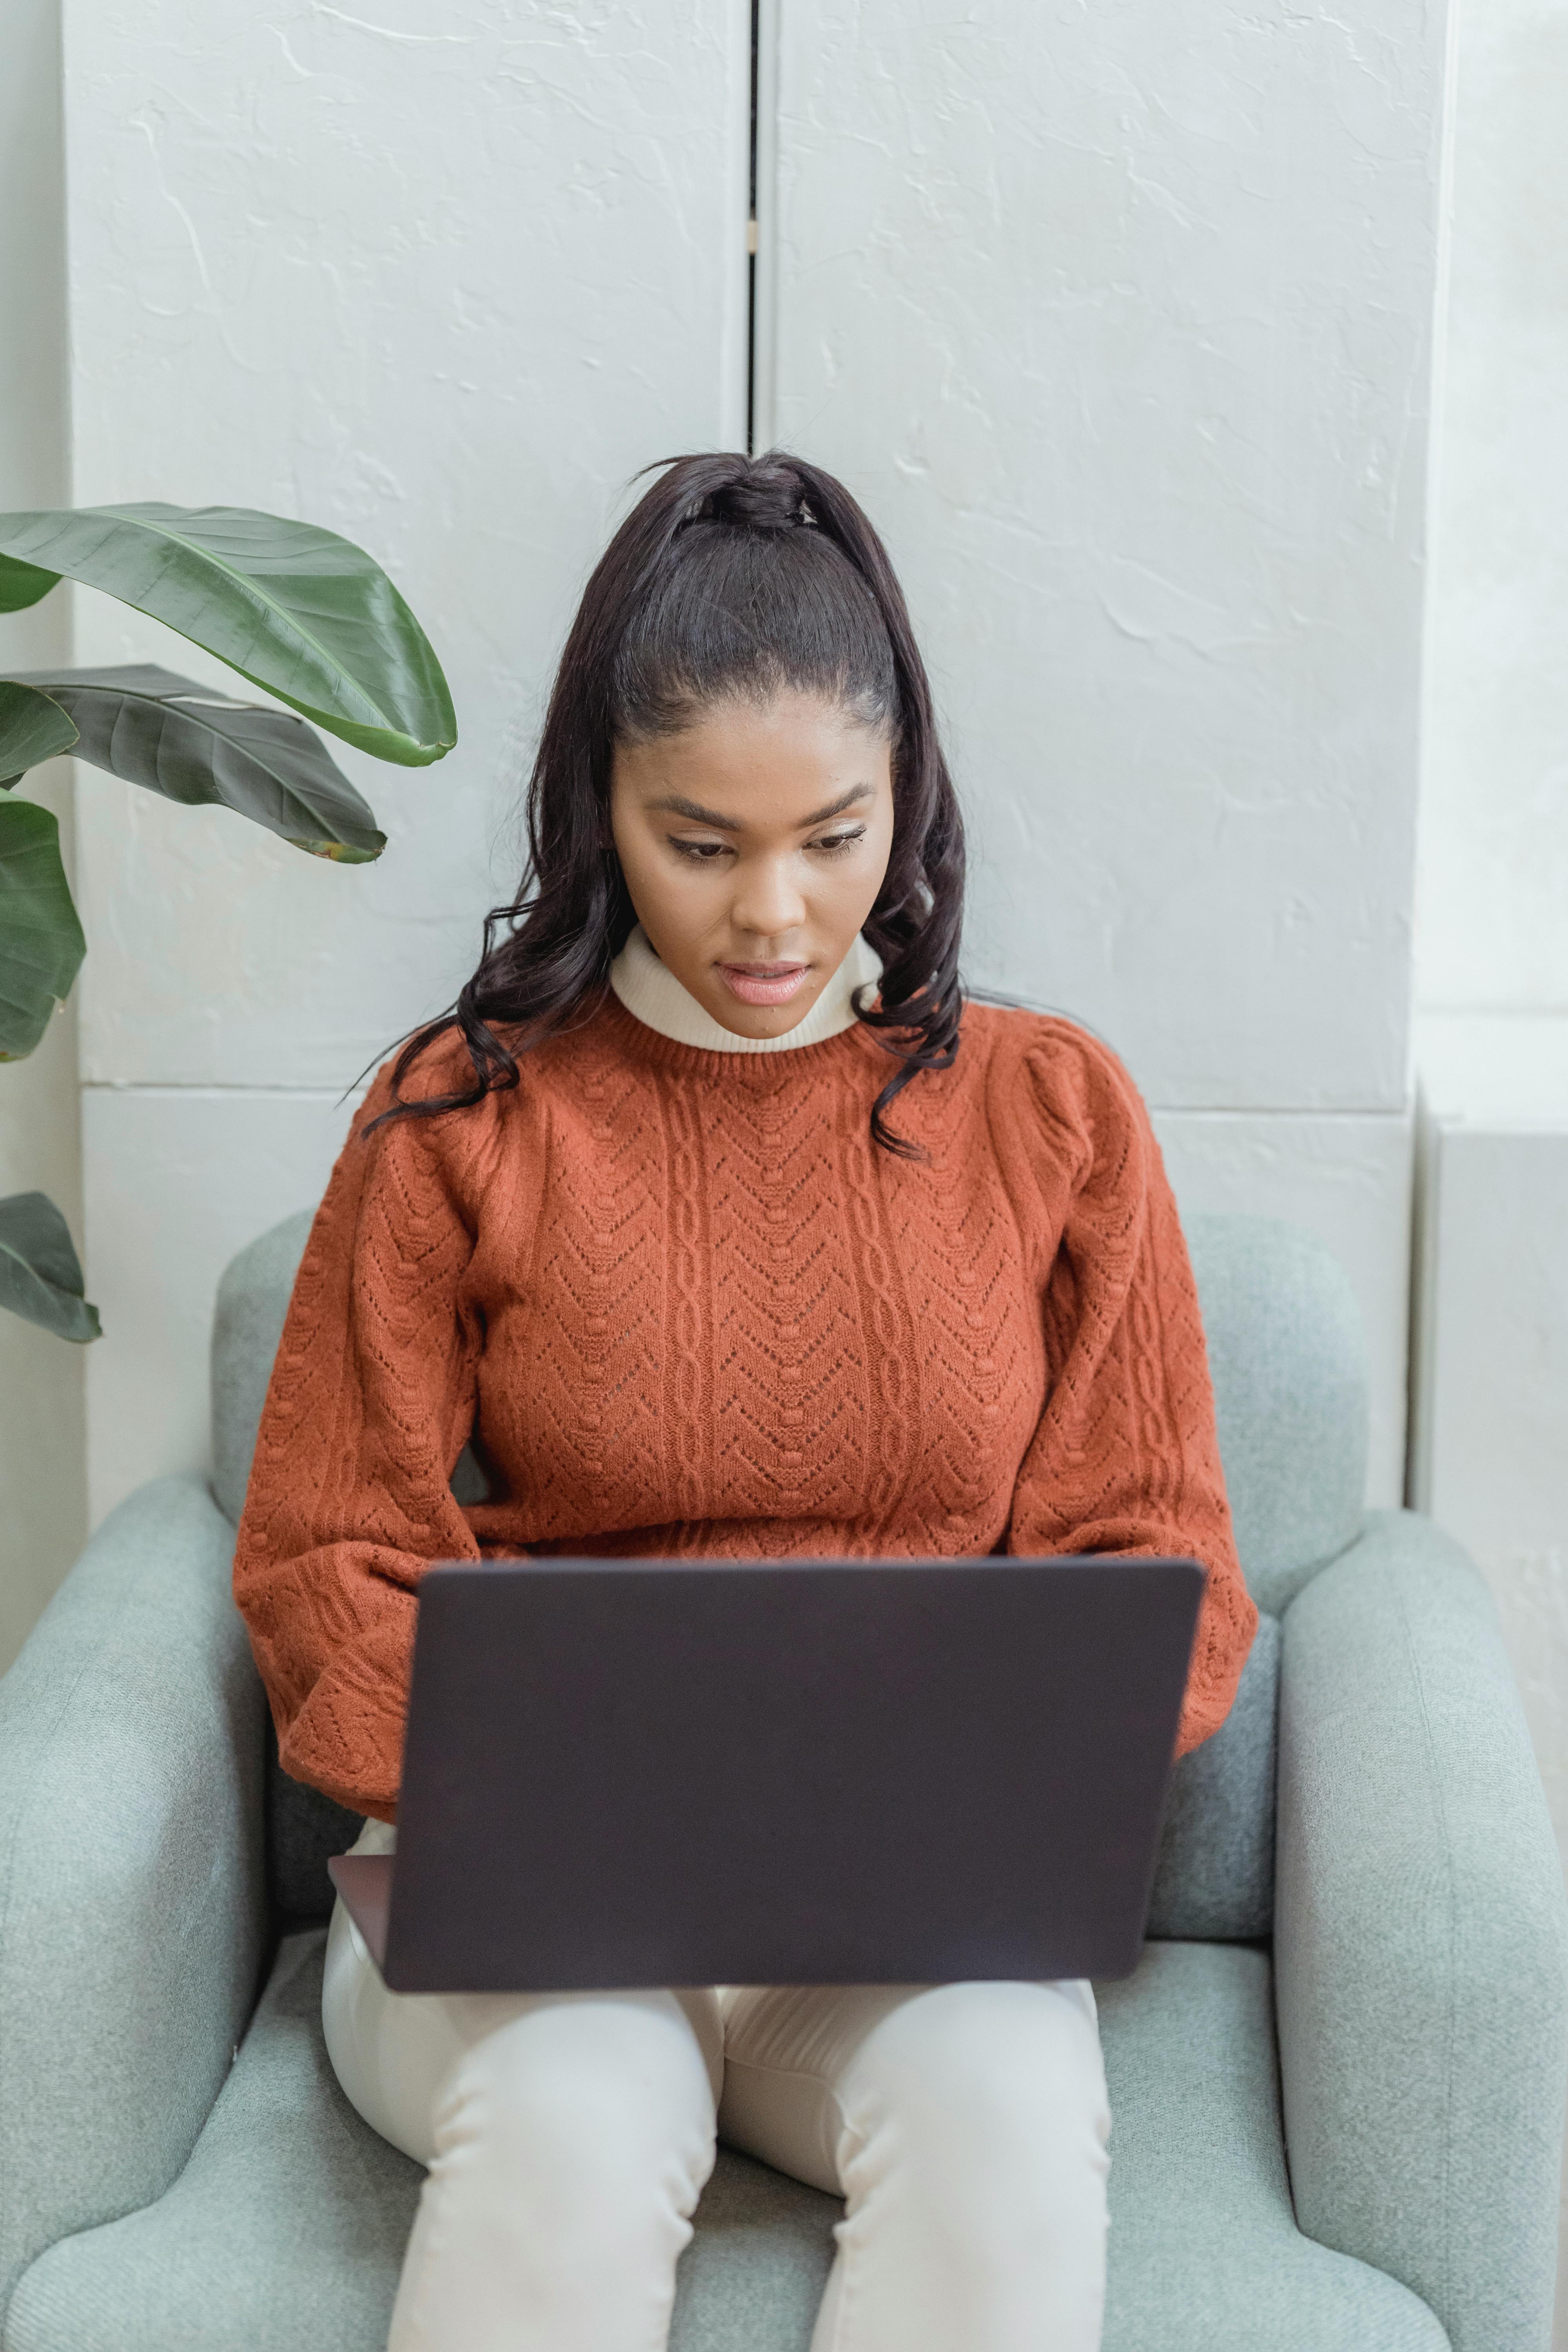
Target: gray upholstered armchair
<point x="1337" y="2077"/>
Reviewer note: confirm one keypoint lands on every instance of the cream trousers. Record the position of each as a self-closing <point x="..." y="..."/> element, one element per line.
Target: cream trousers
<point x="568" y="2137"/>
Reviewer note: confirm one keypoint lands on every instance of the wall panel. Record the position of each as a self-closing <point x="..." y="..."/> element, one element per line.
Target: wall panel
<point x="177" y="1180"/>
<point x="1118" y="319"/>
<point x="441" y="278"/>
<point x="1494" y="818"/>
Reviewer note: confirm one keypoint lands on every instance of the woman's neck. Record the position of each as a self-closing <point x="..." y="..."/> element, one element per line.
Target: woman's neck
<point x="653" y="995"/>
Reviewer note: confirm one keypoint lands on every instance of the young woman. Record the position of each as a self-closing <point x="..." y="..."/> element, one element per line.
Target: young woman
<point x="717" y="1222"/>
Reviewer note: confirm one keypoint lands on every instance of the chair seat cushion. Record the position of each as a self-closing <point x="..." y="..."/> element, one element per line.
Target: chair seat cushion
<point x="285" y="2231"/>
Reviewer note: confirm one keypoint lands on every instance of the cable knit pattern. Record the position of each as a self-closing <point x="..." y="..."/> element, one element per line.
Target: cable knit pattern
<point x="681" y="1305"/>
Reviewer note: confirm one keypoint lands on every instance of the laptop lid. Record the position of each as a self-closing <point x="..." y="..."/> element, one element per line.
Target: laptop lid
<point x="654" y="1773"/>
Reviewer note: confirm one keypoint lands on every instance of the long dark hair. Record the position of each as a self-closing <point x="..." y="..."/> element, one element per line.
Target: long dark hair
<point x="732" y="576"/>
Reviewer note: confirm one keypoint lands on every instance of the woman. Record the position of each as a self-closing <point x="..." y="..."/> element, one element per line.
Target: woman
<point x="718" y="1222"/>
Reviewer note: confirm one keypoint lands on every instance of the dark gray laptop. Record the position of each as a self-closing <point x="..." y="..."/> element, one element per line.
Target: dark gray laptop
<point x="680" y="1773"/>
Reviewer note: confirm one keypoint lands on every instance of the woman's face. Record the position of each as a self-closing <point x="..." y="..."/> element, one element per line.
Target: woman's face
<point x="753" y="845"/>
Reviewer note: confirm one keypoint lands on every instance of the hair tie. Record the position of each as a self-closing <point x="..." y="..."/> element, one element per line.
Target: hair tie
<point x="768" y="498"/>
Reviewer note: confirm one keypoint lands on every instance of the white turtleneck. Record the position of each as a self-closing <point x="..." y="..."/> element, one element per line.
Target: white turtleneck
<point x="651" y="992"/>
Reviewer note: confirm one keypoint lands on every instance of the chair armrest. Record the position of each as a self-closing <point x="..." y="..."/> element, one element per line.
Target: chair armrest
<point x="1421" y="1940"/>
<point x="132" y="1899"/>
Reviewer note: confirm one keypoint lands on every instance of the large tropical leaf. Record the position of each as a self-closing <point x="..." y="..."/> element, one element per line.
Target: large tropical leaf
<point x="297" y="610"/>
<point x="40" y="1277"/>
<point x="182" y="740"/>
<point x="41" y="945"/>
<point x="32" y="729"/>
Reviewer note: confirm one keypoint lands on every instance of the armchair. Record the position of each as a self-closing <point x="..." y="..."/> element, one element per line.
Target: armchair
<point x="1337" y="2077"/>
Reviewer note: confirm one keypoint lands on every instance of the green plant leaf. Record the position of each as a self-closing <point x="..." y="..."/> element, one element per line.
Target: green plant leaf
<point x="32" y="729"/>
<point x="41" y="945"/>
<point x="22" y="584"/>
<point x="300" y="611"/>
<point x="41" y="1274"/>
<point x="192" y="745"/>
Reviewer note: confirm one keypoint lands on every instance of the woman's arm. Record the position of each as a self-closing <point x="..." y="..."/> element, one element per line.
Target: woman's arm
<point x="371" y="1402"/>
<point x="1125" y="1459"/>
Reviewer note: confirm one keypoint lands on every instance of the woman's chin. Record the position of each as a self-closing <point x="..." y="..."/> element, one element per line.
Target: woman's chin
<point x="758" y="1019"/>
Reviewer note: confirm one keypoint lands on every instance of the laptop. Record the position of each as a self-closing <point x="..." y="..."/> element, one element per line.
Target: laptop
<point x="784" y="1772"/>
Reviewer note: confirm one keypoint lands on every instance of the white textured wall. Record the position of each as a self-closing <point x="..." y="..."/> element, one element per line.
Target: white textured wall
<point x="440" y="277"/>
<point x="178" y="1178"/>
<point x="1118" y="322"/>
<point x="1494" y="823"/>
<point x="42" y="1501"/>
<point x="1118" y="319"/>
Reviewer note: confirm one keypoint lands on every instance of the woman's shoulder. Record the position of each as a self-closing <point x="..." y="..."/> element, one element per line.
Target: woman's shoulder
<point x="1060" y="1107"/>
<point x="1050" y="1066"/>
<point x="443" y="1118"/>
<point x="437" y="1125"/>
<point x="442" y="1068"/>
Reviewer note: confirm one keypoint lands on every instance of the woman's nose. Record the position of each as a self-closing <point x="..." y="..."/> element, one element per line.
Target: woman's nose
<point x="767" y="902"/>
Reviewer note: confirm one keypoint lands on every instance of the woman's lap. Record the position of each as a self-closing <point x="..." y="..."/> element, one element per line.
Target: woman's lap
<point x="966" y="2126"/>
<point x="792" y="2067"/>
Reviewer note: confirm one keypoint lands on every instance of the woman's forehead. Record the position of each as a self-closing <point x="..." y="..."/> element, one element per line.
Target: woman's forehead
<point x="795" y="759"/>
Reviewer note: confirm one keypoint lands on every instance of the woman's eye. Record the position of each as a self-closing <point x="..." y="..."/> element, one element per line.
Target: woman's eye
<point x="834" y="843"/>
<point x="701" y="853"/>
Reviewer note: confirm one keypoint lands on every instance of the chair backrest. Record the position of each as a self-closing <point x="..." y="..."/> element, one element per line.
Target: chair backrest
<point x="1288" y="1365"/>
<point x="1287" y="1359"/>
<point x="1291" y="1396"/>
<point x="248" y="1324"/>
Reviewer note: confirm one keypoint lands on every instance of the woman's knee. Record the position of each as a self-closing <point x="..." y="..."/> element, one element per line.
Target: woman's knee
<point x="995" y="2092"/>
<point x="586" y="2092"/>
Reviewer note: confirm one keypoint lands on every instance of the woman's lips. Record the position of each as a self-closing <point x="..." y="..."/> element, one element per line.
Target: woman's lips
<point x="763" y="983"/>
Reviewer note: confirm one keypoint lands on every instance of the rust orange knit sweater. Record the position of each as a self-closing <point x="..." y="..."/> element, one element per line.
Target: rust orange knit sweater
<point x="682" y="1306"/>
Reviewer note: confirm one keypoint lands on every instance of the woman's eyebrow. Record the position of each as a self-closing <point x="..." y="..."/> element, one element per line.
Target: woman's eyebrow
<point x="676" y="804"/>
<point x="836" y="808"/>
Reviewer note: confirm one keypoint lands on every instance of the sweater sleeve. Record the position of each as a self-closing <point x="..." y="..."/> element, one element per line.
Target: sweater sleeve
<point x="370" y="1403"/>
<point x="1125" y="1457"/>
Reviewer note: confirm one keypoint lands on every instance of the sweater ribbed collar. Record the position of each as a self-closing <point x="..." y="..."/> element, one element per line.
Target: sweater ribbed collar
<point x="653" y="995"/>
